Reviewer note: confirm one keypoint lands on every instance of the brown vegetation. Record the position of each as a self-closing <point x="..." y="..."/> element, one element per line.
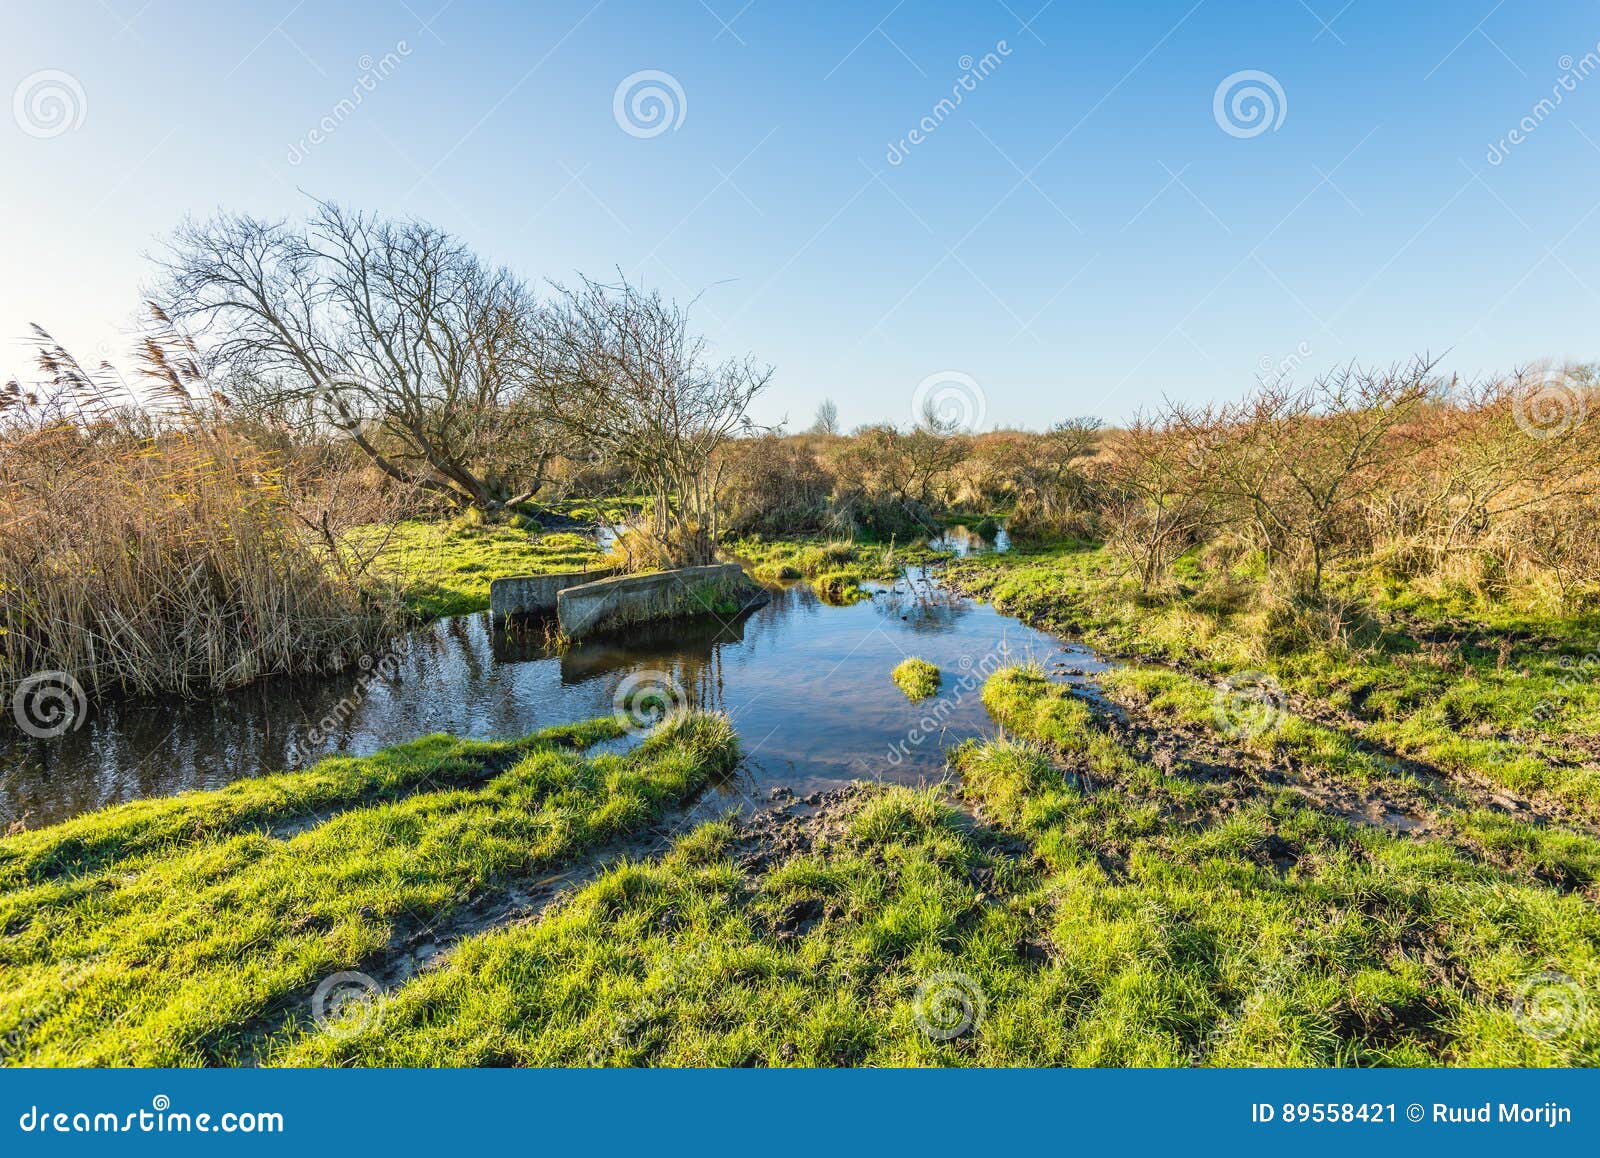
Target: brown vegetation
<point x="162" y="549"/>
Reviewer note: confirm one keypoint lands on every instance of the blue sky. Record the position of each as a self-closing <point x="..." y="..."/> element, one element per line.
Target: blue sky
<point x="1081" y="235"/>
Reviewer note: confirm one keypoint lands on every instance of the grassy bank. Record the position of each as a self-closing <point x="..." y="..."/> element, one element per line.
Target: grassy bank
<point x="445" y="567"/>
<point x="192" y="930"/>
<point x="1472" y="685"/>
<point x="1158" y="919"/>
<point x="1071" y="901"/>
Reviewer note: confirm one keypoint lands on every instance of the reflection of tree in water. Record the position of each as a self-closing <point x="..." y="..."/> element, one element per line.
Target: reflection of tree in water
<point x="924" y="605"/>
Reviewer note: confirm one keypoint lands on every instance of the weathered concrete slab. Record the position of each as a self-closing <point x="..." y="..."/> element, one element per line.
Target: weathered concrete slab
<point x="536" y="594"/>
<point x="594" y="607"/>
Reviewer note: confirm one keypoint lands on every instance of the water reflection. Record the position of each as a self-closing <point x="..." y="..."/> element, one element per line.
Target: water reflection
<point x="962" y="541"/>
<point x="807" y="685"/>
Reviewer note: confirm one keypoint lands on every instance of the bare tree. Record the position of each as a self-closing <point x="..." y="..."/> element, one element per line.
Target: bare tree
<point x="1156" y="501"/>
<point x="827" y="420"/>
<point x="623" y="373"/>
<point x="1051" y="485"/>
<point x="393" y="332"/>
<point x="1343" y="450"/>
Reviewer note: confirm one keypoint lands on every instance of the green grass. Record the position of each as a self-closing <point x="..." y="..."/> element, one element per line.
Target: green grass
<point x="836" y="568"/>
<point x="98" y="841"/>
<point x="918" y="678"/>
<point x="445" y="567"/>
<point x="1067" y="903"/>
<point x="1155" y="920"/>
<point x="1503" y="690"/>
<point x="191" y="934"/>
<point x="613" y="509"/>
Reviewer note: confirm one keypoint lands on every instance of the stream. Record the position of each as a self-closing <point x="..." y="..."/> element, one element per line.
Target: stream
<point x="805" y="683"/>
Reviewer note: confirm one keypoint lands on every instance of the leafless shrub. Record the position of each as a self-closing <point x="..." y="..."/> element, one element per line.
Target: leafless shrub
<point x="622" y="373"/>
<point x="1156" y="501"/>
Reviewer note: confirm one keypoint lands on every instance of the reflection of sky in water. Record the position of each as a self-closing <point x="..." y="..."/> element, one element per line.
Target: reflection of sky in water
<point x="963" y="541"/>
<point x="807" y="686"/>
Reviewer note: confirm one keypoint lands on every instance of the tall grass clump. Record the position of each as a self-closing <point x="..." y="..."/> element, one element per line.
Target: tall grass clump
<point x="154" y="548"/>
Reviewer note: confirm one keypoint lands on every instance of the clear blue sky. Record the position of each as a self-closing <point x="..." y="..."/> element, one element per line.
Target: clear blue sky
<point x="1080" y="235"/>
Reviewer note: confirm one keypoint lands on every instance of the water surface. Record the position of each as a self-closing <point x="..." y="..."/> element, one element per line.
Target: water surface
<point x="806" y="684"/>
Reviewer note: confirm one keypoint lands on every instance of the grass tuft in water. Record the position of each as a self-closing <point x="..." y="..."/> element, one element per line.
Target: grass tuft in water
<point x="918" y="678"/>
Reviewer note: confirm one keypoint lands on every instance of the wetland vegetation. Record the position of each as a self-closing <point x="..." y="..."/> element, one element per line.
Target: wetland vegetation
<point x="1326" y="791"/>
